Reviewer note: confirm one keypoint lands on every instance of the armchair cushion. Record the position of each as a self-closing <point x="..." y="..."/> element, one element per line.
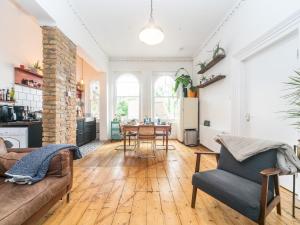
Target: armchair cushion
<point x="237" y="192"/>
<point x="59" y="165"/>
<point x="250" y="168"/>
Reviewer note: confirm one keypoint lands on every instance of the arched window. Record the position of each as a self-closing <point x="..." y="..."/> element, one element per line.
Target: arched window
<point x="165" y="99"/>
<point x="95" y="98"/>
<point x="127" y="97"/>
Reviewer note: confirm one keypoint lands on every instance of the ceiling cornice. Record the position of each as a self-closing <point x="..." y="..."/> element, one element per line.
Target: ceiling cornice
<point x="151" y="59"/>
<point x="225" y="20"/>
<point x="79" y="17"/>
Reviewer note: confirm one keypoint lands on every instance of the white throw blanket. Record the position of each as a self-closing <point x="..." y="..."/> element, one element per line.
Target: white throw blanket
<point x="242" y="148"/>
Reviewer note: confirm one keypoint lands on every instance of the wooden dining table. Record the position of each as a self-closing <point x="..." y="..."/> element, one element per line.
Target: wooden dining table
<point x="134" y="128"/>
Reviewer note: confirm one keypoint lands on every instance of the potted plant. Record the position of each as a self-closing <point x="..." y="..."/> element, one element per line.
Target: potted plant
<point x="293" y="97"/>
<point x="202" y="66"/>
<point x="184" y="79"/>
<point x="36" y="67"/>
<point x="218" y="51"/>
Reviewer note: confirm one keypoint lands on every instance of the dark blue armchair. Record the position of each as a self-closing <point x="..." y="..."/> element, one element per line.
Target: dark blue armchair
<point x="250" y="187"/>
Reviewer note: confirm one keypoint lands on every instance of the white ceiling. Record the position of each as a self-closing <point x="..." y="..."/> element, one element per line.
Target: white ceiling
<point x="115" y="24"/>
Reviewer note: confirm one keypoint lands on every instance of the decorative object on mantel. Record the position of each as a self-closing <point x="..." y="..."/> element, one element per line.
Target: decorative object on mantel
<point x="183" y="78"/>
<point x="210" y="81"/>
<point x="28" y="78"/>
<point x="218" y="55"/>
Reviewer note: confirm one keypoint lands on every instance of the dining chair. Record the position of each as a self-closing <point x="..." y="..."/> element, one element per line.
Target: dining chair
<point x="163" y="135"/>
<point x="132" y="137"/>
<point x="146" y="133"/>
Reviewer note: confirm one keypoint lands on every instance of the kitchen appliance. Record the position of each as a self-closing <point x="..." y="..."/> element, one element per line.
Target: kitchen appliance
<point x="15" y="137"/>
<point x="20" y="112"/>
<point x="187" y="116"/>
<point x="6" y="113"/>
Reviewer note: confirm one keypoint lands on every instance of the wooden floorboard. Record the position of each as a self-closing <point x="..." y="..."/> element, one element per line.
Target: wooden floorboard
<point x="110" y="189"/>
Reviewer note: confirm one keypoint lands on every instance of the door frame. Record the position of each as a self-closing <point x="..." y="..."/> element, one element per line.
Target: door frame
<point x="238" y="109"/>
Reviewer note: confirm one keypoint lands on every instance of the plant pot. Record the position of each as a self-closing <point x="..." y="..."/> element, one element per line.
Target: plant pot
<point x="192" y="94"/>
<point x="185" y="92"/>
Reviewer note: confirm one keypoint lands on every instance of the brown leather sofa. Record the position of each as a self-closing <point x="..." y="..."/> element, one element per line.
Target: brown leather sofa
<point x="26" y="204"/>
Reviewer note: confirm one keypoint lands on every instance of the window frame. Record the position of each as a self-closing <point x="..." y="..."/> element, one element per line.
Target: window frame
<point x="115" y="97"/>
<point x="155" y="77"/>
<point x="90" y="98"/>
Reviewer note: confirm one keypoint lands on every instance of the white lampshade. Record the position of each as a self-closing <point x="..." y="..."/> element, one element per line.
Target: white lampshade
<point x="151" y="34"/>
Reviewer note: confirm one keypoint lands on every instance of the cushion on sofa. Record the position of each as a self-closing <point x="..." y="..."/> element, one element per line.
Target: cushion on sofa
<point x="20" y="202"/>
<point x="237" y="192"/>
<point x="59" y="164"/>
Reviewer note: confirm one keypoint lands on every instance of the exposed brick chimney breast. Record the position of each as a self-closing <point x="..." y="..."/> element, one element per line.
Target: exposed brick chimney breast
<point x="59" y="87"/>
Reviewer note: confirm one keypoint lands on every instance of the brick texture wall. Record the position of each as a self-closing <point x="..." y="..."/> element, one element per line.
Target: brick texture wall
<point x="59" y="87"/>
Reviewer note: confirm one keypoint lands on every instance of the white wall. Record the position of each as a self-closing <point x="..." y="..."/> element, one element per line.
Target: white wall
<point x="252" y="19"/>
<point x="66" y="20"/>
<point x="20" y="41"/>
<point x="145" y="69"/>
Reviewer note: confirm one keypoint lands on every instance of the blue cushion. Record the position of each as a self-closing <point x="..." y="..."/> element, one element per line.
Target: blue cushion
<point x="251" y="167"/>
<point x="239" y="193"/>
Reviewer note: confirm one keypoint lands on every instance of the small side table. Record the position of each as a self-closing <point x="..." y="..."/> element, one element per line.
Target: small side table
<point x="294" y="187"/>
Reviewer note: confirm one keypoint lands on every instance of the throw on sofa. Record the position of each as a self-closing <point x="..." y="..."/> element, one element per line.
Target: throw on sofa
<point x="26" y="204"/>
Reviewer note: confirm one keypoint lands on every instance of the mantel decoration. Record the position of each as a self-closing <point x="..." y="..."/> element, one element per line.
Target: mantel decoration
<point x="151" y="34"/>
<point x="184" y="79"/>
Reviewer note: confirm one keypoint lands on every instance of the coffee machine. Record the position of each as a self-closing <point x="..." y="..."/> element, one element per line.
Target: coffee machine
<point x="6" y="113"/>
<point x="20" y="112"/>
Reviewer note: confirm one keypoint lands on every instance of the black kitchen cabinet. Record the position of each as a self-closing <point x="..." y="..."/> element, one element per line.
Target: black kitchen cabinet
<point x="86" y="131"/>
<point x="35" y="135"/>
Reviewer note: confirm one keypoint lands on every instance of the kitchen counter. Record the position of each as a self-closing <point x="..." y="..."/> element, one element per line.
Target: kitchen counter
<point x="28" y="133"/>
<point x="20" y="123"/>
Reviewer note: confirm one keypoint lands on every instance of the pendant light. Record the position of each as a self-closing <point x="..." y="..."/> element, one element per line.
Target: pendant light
<point x="81" y="82"/>
<point x="151" y="34"/>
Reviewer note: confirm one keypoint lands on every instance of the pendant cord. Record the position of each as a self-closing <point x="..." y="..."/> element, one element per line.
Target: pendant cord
<point x="151" y="10"/>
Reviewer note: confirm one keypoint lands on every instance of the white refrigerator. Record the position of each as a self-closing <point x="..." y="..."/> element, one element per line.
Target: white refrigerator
<point x="187" y="116"/>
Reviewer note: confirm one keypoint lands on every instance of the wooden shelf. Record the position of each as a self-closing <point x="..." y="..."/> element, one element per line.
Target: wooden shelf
<point x="211" y="81"/>
<point x="24" y="85"/>
<point x="212" y="63"/>
<point x="27" y="75"/>
<point x="10" y="102"/>
<point x="28" y="72"/>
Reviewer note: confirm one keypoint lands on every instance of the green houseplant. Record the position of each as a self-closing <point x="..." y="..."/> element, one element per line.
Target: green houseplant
<point x="184" y="79"/>
<point x="293" y="97"/>
<point x="218" y="50"/>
